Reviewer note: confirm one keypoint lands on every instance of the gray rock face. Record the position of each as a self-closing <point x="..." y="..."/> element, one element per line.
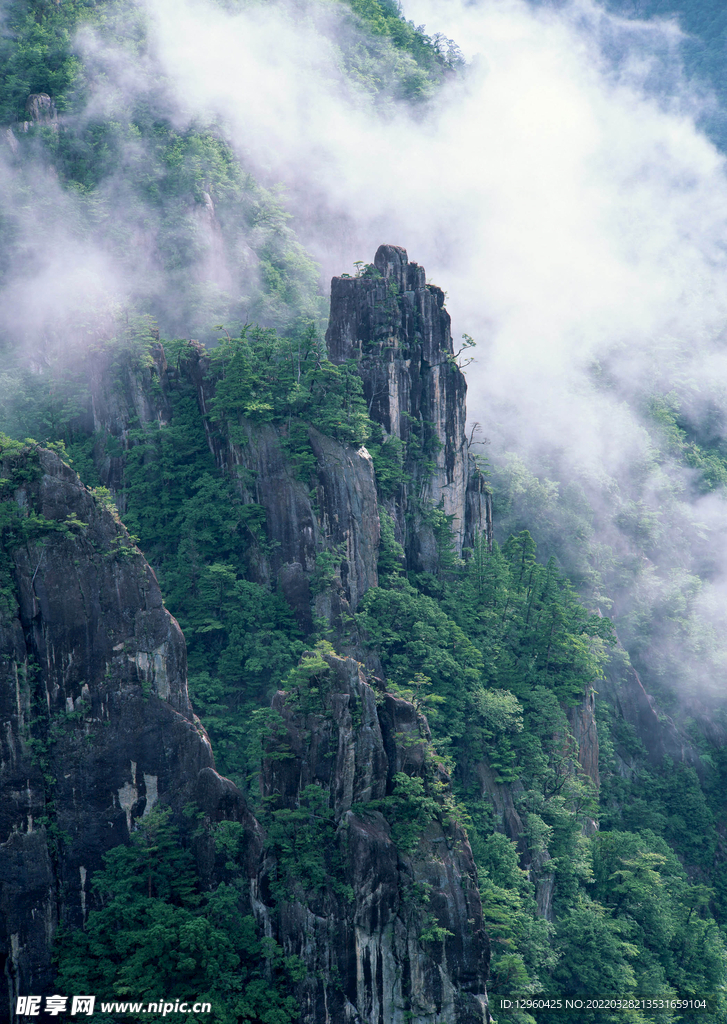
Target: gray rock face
<point x="337" y="518"/>
<point x="96" y="721"/>
<point x="582" y="720"/>
<point x="142" y="399"/>
<point x="659" y="734"/>
<point x="97" y="728"/>
<point x="40" y="108"/>
<point x="504" y="798"/>
<point x="396" y="327"/>
<point x="363" y="935"/>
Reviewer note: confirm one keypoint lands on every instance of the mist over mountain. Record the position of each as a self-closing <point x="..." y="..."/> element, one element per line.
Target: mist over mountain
<point x="179" y="182"/>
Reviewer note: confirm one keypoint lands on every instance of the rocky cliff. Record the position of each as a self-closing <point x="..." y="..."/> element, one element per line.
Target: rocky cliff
<point x="98" y="729"/>
<point x="97" y="724"/>
<point x="394" y="325"/>
<point x="333" y="512"/>
<point x="388" y="919"/>
<point x="397" y="330"/>
<point x="337" y="515"/>
<point x="656" y="730"/>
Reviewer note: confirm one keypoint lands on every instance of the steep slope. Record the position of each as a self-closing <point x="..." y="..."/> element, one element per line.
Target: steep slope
<point x="330" y="510"/>
<point x="97" y="723"/>
<point x="98" y="730"/>
<point x="394" y="325"/>
<point x="379" y="896"/>
<point x="269" y="486"/>
<point x="302" y="466"/>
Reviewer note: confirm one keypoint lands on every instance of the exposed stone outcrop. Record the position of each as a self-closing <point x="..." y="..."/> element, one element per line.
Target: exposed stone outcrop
<point x="502" y="796"/>
<point x="579" y="744"/>
<point x="360" y="935"/>
<point x="338" y="517"/>
<point x="141" y="399"/>
<point x="582" y="720"/>
<point x="623" y="688"/>
<point x="41" y="109"/>
<point x="396" y="327"/>
<point x="212" y="264"/>
<point x="97" y="729"/>
<point x="97" y="725"/>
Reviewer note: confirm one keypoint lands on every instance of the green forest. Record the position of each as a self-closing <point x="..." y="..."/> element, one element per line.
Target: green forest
<point x="499" y="648"/>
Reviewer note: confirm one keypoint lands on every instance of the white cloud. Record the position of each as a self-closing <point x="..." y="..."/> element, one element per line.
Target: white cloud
<point x="60" y="283"/>
<point x="561" y="192"/>
<point x="563" y="195"/>
<point x="567" y="209"/>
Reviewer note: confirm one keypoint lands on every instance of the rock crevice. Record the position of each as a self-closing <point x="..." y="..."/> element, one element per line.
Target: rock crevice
<point x="397" y="934"/>
<point x="97" y="723"/>
<point x="396" y="328"/>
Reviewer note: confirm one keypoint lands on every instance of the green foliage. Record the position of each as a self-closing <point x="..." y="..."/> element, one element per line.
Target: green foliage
<point x="391" y="561"/>
<point x="556" y="642"/>
<point x="266" y="735"/>
<point x="528" y="649"/>
<point x="307" y="682"/>
<point x="423" y="61"/>
<point x="418" y="692"/>
<point x="409" y="809"/>
<point x="623" y="544"/>
<point x="639" y="878"/>
<point x="414" y="636"/>
<point x="441" y="525"/>
<point x="242" y="641"/>
<point x="388" y="455"/>
<point x="498" y="711"/>
<point x="35" y="53"/>
<point x="710" y="460"/>
<point x="494" y="658"/>
<point x="20" y="523"/>
<point x="594" y="959"/>
<point x="520" y="939"/>
<point x="507" y="625"/>
<point x="308" y="855"/>
<point x="667" y="799"/>
<point x="192" y="526"/>
<point x="132" y="172"/>
<point x="267" y="379"/>
<point x="157" y="933"/>
<point x="433" y="932"/>
<point x="494" y="650"/>
<point x="419" y="456"/>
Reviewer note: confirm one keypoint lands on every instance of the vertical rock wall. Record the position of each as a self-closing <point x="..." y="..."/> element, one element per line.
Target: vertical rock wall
<point x="96" y="724"/>
<point x="396" y="328"/>
<point x="97" y="729"/>
<point x="338" y="516"/>
<point x="394" y="936"/>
